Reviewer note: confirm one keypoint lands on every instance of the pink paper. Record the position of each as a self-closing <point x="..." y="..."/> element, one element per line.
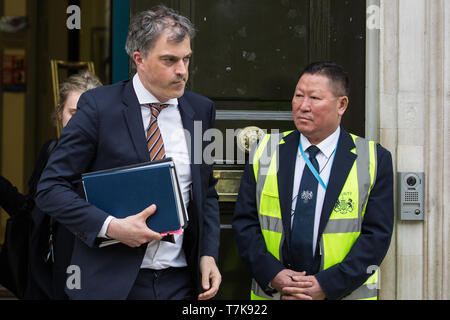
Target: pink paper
<point x="178" y="232"/>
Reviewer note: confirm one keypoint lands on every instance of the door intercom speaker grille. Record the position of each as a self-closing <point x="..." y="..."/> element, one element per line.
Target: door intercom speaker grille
<point x="411" y="196"/>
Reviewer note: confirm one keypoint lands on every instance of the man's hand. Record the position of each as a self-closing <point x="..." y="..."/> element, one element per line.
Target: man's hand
<point x="211" y="277"/>
<point x="300" y="292"/>
<point x="285" y="279"/>
<point x="133" y="230"/>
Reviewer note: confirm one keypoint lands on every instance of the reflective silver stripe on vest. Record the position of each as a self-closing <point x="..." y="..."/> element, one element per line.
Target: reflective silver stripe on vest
<point x="343" y="226"/>
<point x="363" y="292"/>
<point x="260" y="292"/>
<point x="271" y="223"/>
<point x="363" y="172"/>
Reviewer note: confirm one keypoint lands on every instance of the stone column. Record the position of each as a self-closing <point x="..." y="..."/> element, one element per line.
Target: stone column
<point x="437" y="149"/>
<point x="415" y="127"/>
<point x="446" y="158"/>
<point x="388" y="121"/>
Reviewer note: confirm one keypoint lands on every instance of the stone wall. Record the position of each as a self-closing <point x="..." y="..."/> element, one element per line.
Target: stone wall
<point x="414" y="117"/>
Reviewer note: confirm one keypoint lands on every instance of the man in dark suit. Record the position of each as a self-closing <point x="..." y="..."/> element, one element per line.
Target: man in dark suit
<point x="314" y="216"/>
<point x="145" y="118"/>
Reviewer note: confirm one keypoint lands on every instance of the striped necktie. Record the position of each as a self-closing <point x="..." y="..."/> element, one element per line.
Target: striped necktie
<point x="155" y="141"/>
<point x="155" y="144"/>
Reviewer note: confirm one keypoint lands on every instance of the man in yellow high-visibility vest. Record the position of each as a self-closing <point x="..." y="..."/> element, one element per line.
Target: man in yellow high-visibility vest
<point x="314" y="215"/>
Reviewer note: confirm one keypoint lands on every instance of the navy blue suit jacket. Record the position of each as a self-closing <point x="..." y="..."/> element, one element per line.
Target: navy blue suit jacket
<point x="107" y="131"/>
<point x="369" y="249"/>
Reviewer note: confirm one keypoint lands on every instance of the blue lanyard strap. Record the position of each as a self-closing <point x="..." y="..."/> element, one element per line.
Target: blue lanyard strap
<point x="311" y="167"/>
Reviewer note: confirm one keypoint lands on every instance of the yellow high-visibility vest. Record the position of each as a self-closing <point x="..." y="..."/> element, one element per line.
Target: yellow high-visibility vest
<point x="344" y="224"/>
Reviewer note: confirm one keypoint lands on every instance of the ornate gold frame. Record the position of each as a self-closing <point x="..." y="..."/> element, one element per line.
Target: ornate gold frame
<point x="55" y="65"/>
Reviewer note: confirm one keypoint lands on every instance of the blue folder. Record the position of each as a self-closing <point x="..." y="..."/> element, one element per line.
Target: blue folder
<point x="126" y="191"/>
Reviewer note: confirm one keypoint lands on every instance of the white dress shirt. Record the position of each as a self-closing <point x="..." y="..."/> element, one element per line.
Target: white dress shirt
<point x="162" y="254"/>
<point x="325" y="158"/>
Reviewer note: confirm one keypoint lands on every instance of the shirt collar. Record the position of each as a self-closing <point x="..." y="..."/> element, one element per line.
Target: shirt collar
<point x="327" y="146"/>
<point x="144" y="96"/>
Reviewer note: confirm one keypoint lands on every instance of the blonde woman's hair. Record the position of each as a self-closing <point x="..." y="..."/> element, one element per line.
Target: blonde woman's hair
<point x="83" y="81"/>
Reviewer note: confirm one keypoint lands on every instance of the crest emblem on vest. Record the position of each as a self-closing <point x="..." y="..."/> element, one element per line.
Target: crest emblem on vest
<point x="344" y="205"/>
<point x="306" y="196"/>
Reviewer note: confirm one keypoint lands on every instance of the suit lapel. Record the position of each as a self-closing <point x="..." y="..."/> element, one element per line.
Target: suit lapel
<point x="187" y="118"/>
<point x="133" y="117"/>
<point x="342" y="165"/>
<point x="285" y="177"/>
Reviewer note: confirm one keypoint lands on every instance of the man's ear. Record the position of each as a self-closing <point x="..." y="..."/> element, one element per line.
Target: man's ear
<point x="342" y="105"/>
<point x="137" y="58"/>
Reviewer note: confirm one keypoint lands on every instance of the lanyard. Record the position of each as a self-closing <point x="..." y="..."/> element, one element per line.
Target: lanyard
<point x="311" y="167"/>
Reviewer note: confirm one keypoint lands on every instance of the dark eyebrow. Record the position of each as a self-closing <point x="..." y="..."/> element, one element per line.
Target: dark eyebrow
<point x="170" y="56"/>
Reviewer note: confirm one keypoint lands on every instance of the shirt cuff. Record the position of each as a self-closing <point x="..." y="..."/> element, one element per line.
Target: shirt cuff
<point x="269" y="289"/>
<point x="102" y="233"/>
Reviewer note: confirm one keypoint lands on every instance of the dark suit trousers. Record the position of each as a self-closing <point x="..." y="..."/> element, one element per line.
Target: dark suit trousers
<point x="166" y="284"/>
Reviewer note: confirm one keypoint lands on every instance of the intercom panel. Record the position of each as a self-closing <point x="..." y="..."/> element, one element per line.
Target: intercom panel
<point x="411" y="190"/>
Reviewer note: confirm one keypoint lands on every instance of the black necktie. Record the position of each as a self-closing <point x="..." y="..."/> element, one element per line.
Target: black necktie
<point x="303" y="225"/>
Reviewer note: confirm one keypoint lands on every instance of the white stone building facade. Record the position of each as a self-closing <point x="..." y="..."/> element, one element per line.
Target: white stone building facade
<point x="408" y="112"/>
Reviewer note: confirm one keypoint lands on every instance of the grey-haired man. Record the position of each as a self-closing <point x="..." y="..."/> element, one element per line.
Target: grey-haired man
<point x="110" y="130"/>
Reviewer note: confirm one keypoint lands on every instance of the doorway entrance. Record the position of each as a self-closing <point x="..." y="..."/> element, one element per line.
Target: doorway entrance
<point x="247" y="58"/>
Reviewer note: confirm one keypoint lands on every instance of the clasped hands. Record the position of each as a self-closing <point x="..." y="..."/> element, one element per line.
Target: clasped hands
<point x="294" y="285"/>
<point x="133" y="232"/>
